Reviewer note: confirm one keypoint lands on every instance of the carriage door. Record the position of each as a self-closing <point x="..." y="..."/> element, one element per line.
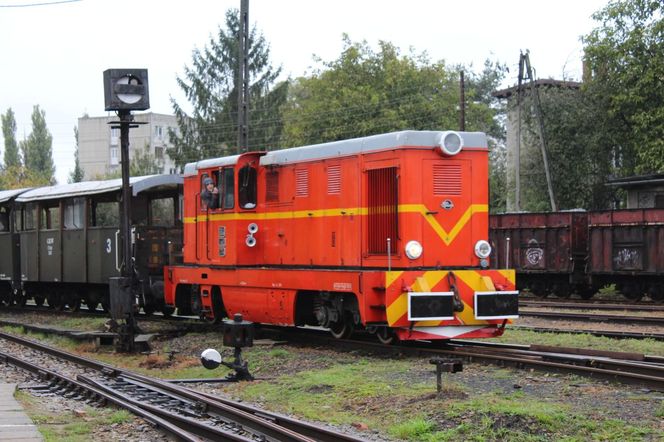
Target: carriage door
<point x="447" y="196"/>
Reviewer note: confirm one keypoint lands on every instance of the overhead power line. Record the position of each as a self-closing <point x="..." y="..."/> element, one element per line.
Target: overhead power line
<point x="28" y="5"/>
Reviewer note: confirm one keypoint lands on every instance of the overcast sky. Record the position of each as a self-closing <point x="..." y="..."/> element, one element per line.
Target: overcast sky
<point x="55" y="55"/>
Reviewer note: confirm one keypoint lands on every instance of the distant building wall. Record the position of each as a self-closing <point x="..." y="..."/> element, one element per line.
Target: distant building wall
<point x="99" y="144"/>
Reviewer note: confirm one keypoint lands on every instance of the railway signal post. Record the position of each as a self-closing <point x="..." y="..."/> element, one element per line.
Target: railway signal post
<point x="125" y="90"/>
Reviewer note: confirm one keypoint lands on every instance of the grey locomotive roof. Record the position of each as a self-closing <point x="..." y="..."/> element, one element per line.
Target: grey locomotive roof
<point x="191" y="168"/>
<point x="368" y="144"/>
<point x="137" y="184"/>
<point x="6" y="195"/>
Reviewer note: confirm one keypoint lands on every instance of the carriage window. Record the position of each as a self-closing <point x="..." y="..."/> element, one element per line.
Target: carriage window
<point x="105" y="214"/>
<point x="247" y="187"/>
<point x="4" y="220"/>
<point x="162" y="212"/>
<point x="74" y="210"/>
<point x="50" y="218"/>
<point x="29" y="217"/>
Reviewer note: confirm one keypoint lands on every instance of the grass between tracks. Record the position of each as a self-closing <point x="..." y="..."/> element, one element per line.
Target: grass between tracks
<point x="396" y="396"/>
<point x="78" y="425"/>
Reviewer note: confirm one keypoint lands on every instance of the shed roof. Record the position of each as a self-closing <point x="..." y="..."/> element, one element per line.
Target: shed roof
<point x="506" y="93"/>
<point x="637" y="181"/>
<point x="137" y="184"/>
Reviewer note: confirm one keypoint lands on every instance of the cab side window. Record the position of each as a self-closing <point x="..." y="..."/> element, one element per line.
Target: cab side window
<point x="247" y="187"/>
<point x="228" y="197"/>
<point x="209" y="191"/>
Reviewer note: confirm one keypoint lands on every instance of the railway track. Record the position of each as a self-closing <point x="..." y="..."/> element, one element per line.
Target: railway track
<point x="585" y="305"/>
<point x="180" y="411"/>
<point x="630" y="368"/>
<point x="595" y="317"/>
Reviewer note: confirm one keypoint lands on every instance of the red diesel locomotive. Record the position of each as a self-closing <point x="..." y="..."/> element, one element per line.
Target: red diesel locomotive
<point x="387" y="232"/>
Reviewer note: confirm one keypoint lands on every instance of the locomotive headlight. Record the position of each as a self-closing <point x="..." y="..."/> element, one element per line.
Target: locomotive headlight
<point x="482" y="249"/>
<point x="450" y="143"/>
<point x="413" y="249"/>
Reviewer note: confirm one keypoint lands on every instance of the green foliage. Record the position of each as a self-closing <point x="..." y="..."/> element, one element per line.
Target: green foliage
<point x="626" y="56"/>
<point x="366" y="92"/>
<point x="210" y="87"/>
<point x="37" y="149"/>
<point x="76" y="175"/>
<point x="12" y="158"/>
<point x="579" y="161"/>
<point x="412" y="429"/>
<point x="144" y="163"/>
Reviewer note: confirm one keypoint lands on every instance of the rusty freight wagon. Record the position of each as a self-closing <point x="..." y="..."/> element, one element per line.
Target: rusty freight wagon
<point x="547" y="250"/>
<point x="626" y="248"/>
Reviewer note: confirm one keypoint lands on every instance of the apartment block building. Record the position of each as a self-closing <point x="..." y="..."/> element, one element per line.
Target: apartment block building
<point x="99" y="142"/>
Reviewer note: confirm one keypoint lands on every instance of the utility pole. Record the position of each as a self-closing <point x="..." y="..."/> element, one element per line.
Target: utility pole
<point x="524" y="61"/>
<point x="462" y="102"/>
<point x="243" y="80"/>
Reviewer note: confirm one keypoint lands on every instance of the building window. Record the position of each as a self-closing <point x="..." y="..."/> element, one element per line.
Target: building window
<point x="159" y="152"/>
<point x="115" y="136"/>
<point x="114" y="156"/>
<point x="158" y="132"/>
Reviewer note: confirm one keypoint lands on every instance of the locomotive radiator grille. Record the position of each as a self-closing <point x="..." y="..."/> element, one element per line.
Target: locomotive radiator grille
<point x="382" y="210"/>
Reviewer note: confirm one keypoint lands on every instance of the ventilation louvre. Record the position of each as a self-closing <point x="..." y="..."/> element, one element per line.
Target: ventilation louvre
<point x="447" y="179"/>
<point x="334" y="180"/>
<point x="302" y="182"/>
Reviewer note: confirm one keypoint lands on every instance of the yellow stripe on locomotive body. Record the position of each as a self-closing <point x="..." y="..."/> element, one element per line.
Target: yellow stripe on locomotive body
<point x="445" y="236"/>
<point x="466" y="286"/>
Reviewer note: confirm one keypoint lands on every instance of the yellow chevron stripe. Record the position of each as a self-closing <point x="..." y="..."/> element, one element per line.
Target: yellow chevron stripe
<point x="510" y="275"/>
<point x="447" y="237"/>
<point x="390" y="277"/>
<point x="474" y="280"/>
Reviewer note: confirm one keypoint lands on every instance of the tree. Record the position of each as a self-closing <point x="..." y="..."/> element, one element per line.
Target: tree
<point x="144" y="163"/>
<point x="76" y="175"/>
<point x="12" y="158"/>
<point x="37" y="149"/>
<point x="579" y="161"/>
<point x="210" y="87"/>
<point x="625" y="54"/>
<point x="366" y="92"/>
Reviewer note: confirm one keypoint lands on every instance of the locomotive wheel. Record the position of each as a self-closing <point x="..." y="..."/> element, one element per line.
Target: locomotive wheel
<point x="656" y="292"/>
<point x="51" y="298"/>
<point x="39" y="300"/>
<point x="538" y="289"/>
<point x="342" y="329"/>
<point x="561" y="290"/>
<point x="21" y="299"/>
<point x="209" y="320"/>
<point x="148" y="309"/>
<point x="386" y="335"/>
<point x="74" y="304"/>
<point x="632" y="291"/>
<point x="92" y="305"/>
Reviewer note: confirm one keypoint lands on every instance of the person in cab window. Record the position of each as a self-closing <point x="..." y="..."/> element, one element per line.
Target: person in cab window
<point x="209" y="195"/>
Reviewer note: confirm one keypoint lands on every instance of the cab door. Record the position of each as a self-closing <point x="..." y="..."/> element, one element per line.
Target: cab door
<point x="447" y="197"/>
